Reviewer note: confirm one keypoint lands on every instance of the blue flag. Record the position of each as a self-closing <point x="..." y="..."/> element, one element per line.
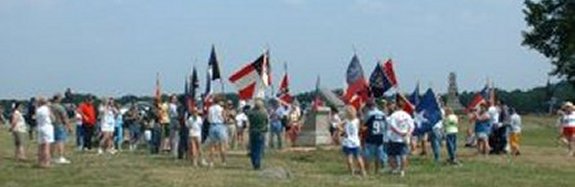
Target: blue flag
<point x="415" y="98"/>
<point x="428" y="111"/>
<point x="379" y="82"/>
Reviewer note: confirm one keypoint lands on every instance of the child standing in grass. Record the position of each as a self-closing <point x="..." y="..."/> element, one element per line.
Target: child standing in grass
<point x="194" y="123"/>
<point x="351" y="142"/>
<point x="451" y="130"/>
<point x="515" y="132"/>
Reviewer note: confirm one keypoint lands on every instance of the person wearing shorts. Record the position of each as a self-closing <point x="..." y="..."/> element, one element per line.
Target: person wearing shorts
<point x="568" y="126"/>
<point x="108" y="124"/>
<point x="18" y="129"/>
<point x="482" y="129"/>
<point x="45" y="132"/>
<point x="218" y="135"/>
<point x="194" y="124"/>
<point x="400" y="129"/>
<point x="164" y="119"/>
<point x="351" y="143"/>
<point x="376" y="125"/>
<point x="242" y="124"/>
<point x="61" y="129"/>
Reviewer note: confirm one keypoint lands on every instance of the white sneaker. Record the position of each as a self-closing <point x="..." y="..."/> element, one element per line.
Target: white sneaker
<point x="204" y="162"/>
<point x="62" y="160"/>
<point x="402" y="174"/>
<point x="65" y="161"/>
<point x="112" y="151"/>
<point x="100" y="151"/>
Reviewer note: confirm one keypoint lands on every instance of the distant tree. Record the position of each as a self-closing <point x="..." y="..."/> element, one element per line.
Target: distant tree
<point x="551" y="31"/>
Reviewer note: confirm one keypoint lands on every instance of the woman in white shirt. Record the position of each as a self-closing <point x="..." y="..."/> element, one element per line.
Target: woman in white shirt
<point x="18" y="129"/>
<point x="351" y="143"/>
<point x="108" y="122"/>
<point x="194" y="123"/>
<point x="45" y="132"/>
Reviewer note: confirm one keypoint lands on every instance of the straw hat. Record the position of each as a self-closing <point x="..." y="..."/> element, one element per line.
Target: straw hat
<point x="568" y="105"/>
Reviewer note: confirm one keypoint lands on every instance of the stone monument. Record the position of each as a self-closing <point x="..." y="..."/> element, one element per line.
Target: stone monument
<point x="315" y="130"/>
<point x="453" y="95"/>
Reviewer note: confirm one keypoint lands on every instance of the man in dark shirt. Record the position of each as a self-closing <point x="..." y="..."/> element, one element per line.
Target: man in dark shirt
<point x="376" y="124"/>
<point x="258" y="126"/>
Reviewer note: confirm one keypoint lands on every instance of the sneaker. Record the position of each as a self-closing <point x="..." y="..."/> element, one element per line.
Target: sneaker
<point x="204" y="162"/>
<point x="402" y="174"/>
<point x="100" y="151"/>
<point x="61" y="160"/>
<point x="211" y="165"/>
<point x="112" y="151"/>
<point x="65" y="161"/>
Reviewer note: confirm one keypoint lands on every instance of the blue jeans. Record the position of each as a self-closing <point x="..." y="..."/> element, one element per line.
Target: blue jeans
<point x="276" y="131"/>
<point x="135" y="132"/>
<point x="156" y="140"/>
<point x="451" y="141"/>
<point x="79" y="136"/>
<point x="119" y="136"/>
<point x="435" y="138"/>
<point x="257" y="146"/>
<point x="373" y="151"/>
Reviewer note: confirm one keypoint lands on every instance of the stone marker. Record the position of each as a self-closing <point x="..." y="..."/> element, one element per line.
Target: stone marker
<point x="315" y="130"/>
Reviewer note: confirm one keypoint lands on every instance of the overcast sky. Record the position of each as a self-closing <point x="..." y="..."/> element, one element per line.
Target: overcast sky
<point x="115" y="47"/>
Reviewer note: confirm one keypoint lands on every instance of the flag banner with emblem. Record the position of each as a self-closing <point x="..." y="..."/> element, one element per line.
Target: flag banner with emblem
<point x="382" y="79"/>
<point x="428" y="111"/>
<point x="252" y="79"/>
<point x="357" y="91"/>
<point x="479" y="98"/>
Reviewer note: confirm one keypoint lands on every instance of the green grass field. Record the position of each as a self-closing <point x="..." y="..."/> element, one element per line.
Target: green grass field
<point x="543" y="163"/>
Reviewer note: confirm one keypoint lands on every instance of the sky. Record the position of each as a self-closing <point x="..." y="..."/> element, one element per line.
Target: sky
<point x="116" y="47"/>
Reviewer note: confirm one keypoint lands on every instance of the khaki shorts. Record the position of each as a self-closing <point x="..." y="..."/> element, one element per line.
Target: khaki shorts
<point x="18" y="138"/>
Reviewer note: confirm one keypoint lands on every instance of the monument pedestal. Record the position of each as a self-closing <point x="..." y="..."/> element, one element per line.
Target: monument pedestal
<point x="315" y="130"/>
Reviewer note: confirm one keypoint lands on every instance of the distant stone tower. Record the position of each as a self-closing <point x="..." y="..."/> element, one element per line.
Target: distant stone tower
<point x="453" y="95"/>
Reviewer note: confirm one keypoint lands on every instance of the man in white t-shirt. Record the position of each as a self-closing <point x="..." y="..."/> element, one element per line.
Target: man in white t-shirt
<point x="400" y="128"/>
<point x="217" y="136"/>
<point x="45" y="130"/>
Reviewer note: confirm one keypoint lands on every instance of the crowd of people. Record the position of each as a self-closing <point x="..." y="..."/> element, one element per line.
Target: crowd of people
<point x="172" y="127"/>
<point x="382" y="133"/>
<point x="379" y="135"/>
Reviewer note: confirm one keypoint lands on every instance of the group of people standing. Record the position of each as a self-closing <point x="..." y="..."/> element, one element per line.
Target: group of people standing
<point x="384" y="134"/>
<point x="185" y="132"/>
<point x="381" y="136"/>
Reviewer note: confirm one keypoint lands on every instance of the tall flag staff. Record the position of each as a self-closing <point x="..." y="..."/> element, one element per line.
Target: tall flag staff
<point x="284" y="92"/>
<point x="213" y="63"/>
<point x="158" y="91"/>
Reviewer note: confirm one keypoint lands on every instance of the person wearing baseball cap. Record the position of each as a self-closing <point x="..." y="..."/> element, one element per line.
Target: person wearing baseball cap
<point x="568" y="126"/>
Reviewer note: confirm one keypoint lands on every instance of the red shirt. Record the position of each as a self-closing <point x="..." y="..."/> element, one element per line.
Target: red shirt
<point x="88" y="113"/>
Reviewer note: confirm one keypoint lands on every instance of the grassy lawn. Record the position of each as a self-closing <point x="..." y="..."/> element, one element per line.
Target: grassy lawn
<point x="543" y="163"/>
